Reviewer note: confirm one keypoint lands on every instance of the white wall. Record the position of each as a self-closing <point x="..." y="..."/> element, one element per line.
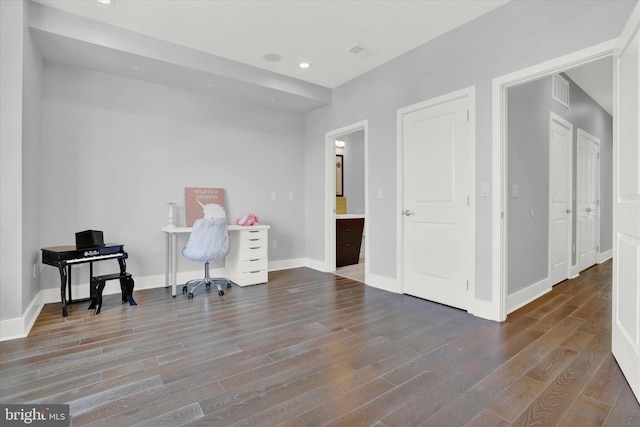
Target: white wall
<point x="512" y="37"/>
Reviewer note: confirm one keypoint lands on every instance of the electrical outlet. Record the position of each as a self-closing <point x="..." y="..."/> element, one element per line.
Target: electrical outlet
<point x="274" y="195"/>
<point x="291" y="195"/>
<point x="274" y="244"/>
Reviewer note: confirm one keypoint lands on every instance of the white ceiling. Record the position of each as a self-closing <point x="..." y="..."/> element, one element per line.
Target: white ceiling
<point x="242" y="32"/>
<point x="596" y="79"/>
<point x="320" y="32"/>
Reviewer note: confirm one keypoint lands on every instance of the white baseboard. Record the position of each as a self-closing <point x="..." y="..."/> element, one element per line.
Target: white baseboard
<point x="316" y="265"/>
<point x="484" y="310"/>
<point x="526" y="295"/>
<point x="605" y="256"/>
<point x="19" y="327"/>
<point x="287" y="264"/>
<point x="574" y="272"/>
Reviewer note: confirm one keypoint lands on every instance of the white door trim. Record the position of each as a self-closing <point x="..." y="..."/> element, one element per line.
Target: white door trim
<point x="330" y="193"/>
<point x="470" y="92"/>
<point x="499" y="156"/>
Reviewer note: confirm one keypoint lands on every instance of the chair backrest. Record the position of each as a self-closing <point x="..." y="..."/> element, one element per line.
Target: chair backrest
<point x="209" y="240"/>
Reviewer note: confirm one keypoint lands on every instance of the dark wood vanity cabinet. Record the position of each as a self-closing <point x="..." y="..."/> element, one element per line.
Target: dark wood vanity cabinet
<point x="348" y="240"/>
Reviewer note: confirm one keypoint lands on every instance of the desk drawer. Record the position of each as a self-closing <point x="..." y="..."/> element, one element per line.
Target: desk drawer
<point x="254" y="242"/>
<point x="254" y="277"/>
<point x="253" y="234"/>
<point x="256" y="252"/>
<point x="253" y="265"/>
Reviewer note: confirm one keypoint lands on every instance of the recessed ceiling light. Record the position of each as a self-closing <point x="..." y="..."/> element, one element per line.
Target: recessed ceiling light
<point x="106" y="1"/>
<point x="134" y="67"/>
<point x="356" y="49"/>
<point x="304" y="65"/>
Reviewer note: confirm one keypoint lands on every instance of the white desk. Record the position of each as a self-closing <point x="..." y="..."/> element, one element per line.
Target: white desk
<point x="246" y="264"/>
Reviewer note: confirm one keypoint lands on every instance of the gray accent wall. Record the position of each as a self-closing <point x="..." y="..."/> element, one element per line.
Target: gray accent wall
<point x="587" y="115"/>
<point x="31" y="168"/>
<point x="115" y="150"/>
<point x="528" y="158"/>
<point x="528" y="168"/>
<point x="12" y="250"/>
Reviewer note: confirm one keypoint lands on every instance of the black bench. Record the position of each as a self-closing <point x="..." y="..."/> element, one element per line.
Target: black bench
<point x="98" y="283"/>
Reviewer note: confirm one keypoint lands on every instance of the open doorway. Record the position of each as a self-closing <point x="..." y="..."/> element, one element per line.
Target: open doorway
<point x="558" y="193"/>
<point x="346" y="199"/>
<point x="522" y="273"/>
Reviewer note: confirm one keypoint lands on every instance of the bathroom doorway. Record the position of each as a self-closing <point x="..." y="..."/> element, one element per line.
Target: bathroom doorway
<point x="346" y="225"/>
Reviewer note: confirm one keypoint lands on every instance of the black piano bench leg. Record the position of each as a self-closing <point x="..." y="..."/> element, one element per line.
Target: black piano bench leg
<point x="100" y="283"/>
<point x="126" y="285"/>
<point x="93" y="293"/>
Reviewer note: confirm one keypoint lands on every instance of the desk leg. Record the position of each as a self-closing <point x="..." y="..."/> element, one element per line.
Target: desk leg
<point x="63" y="289"/>
<point x="173" y="273"/>
<point x="167" y="259"/>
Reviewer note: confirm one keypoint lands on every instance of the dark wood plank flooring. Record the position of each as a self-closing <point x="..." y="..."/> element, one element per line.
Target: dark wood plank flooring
<point x="310" y="349"/>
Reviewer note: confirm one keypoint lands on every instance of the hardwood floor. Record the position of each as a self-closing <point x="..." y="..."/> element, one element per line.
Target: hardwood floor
<point x="312" y="349"/>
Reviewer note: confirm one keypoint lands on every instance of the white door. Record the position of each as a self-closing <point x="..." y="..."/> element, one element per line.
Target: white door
<point x="560" y="197"/>
<point x="588" y="200"/>
<point x="438" y="222"/>
<point x="625" y="342"/>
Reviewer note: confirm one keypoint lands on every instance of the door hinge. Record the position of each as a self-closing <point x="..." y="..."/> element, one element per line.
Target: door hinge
<point x="467" y="115"/>
<point x="468" y="201"/>
<point x="467" y="285"/>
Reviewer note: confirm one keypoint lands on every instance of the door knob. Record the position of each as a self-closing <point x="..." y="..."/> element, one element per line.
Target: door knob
<point x="569" y="210"/>
<point x="589" y="209"/>
<point x="407" y="212"/>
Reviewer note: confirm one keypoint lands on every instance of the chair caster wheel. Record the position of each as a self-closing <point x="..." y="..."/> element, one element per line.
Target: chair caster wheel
<point x="184" y="289"/>
<point x="208" y="285"/>
<point x="220" y="293"/>
<point x="190" y="296"/>
<point x="228" y="285"/>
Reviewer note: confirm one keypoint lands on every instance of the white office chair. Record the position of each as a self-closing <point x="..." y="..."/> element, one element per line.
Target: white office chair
<point x="209" y="241"/>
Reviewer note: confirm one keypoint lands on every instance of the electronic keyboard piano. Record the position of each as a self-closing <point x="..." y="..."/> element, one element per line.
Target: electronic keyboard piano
<point x="63" y="257"/>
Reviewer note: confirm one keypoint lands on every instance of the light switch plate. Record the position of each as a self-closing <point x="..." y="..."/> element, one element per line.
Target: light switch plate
<point x="485" y="189"/>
